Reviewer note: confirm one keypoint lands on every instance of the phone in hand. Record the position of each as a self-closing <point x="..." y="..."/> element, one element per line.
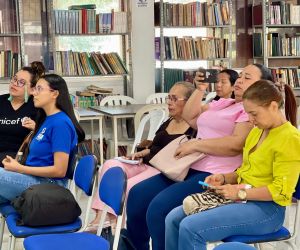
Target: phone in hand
<point x="206" y="184"/>
<point x="210" y="75"/>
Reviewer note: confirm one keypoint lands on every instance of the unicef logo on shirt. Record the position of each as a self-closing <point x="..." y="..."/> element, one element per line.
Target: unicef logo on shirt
<point x="41" y="134"/>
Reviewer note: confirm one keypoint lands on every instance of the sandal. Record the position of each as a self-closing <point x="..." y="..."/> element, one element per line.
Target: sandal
<point x="93" y="228"/>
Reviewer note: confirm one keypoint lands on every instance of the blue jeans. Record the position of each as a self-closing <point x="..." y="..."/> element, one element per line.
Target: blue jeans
<point x="12" y="184"/>
<point x="150" y="201"/>
<point x="192" y="232"/>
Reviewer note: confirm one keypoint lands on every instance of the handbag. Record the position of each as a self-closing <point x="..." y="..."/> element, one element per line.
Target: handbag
<point x="46" y="204"/>
<point x="199" y="202"/>
<point x="174" y="169"/>
<point x="23" y="151"/>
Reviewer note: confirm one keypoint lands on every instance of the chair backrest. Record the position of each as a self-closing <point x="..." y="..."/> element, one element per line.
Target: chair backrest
<point x="117" y="100"/>
<point x="85" y="172"/>
<point x="156" y="98"/>
<point x="296" y="194"/>
<point x="209" y="96"/>
<point x="72" y="162"/>
<point x="112" y="189"/>
<point x="155" y="118"/>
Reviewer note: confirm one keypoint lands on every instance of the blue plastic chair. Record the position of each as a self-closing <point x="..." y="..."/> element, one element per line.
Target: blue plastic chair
<point x="6" y="209"/>
<point x="282" y="235"/>
<point x="84" y="177"/>
<point x="234" y="246"/>
<point x="112" y="191"/>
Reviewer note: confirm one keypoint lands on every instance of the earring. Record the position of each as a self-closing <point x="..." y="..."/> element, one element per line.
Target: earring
<point x="10" y="98"/>
<point x="25" y="95"/>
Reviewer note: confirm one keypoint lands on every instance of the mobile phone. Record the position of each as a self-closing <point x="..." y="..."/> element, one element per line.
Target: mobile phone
<point x="206" y="184"/>
<point x="210" y="75"/>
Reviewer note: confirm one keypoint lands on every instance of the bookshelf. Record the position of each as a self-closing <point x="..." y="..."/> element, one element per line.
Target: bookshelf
<point x="276" y="38"/>
<point x="215" y="47"/>
<point x="11" y="38"/>
<point x="85" y="24"/>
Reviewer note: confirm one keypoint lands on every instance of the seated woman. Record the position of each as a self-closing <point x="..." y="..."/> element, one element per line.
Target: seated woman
<point x="17" y="110"/>
<point x="223" y="126"/>
<point x="169" y="130"/>
<point x="55" y="135"/>
<point x="224" y="85"/>
<point x="270" y="165"/>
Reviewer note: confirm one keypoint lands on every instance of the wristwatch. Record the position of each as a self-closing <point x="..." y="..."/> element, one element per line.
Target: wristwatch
<point x="242" y="194"/>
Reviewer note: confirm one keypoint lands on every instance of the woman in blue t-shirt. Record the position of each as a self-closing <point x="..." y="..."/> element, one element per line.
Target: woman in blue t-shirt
<point x="56" y="133"/>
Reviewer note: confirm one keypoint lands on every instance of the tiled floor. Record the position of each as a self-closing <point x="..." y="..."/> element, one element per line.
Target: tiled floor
<point x="19" y="244"/>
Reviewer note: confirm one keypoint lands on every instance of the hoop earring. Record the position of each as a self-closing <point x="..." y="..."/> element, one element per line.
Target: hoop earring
<point x="10" y="98"/>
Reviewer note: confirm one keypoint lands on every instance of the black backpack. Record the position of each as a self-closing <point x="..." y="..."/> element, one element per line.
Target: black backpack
<point x="46" y="205"/>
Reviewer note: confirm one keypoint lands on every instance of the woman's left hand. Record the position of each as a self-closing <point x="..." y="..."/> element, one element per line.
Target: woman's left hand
<point x="228" y="191"/>
<point x="186" y="148"/>
<point x="28" y="123"/>
<point x="11" y="164"/>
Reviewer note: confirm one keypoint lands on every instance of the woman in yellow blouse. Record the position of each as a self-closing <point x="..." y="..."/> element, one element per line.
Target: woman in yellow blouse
<point x="271" y="165"/>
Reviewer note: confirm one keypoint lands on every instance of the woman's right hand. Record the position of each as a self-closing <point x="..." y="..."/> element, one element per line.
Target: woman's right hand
<point x="215" y="180"/>
<point x="138" y="155"/>
<point x="198" y="81"/>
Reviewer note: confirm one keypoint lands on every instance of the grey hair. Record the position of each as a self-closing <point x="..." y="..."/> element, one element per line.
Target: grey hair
<point x="189" y="88"/>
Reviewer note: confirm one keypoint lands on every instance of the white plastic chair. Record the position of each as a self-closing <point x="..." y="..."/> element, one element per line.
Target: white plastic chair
<point x="156" y="98"/>
<point x="210" y="96"/>
<point x="118" y="100"/>
<point x="152" y="114"/>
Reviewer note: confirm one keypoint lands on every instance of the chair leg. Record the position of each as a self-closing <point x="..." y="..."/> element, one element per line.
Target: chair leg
<point x="2" y="221"/>
<point x="117" y="232"/>
<point x="257" y="246"/>
<point x="13" y="243"/>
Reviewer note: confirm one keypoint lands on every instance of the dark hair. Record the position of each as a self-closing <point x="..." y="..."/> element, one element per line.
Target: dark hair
<point x="63" y="103"/>
<point x="233" y="75"/>
<point x="263" y="92"/>
<point x="265" y="72"/>
<point x="188" y="86"/>
<point x="36" y="70"/>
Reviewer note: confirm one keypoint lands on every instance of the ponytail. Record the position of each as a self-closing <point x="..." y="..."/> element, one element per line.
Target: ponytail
<point x="290" y="105"/>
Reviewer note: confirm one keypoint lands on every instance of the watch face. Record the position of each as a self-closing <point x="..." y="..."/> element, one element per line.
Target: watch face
<point x="242" y="194"/>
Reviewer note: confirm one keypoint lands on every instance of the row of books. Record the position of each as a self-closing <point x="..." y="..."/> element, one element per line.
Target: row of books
<point x="283" y="44"/>
<point x="71" y="63"/>
<point x="193" y="14"/>
<point x="282" y="12"/>
<point x="189" y="48"/>
<point x="289" y="76"/>
<point x="279" y="12"/>
<point x="86" y="101"/>
<point x="10" y="63"/>
<point x="86" y="21"/>
<point x="171" y="76"/>
<point x="85" y="148"/>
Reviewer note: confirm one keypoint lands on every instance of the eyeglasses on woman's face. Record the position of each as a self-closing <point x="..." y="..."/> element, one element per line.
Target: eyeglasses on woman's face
<point x="18" y="82"/>
<point x="174" y="98"/>
<point x="38" y="89"/>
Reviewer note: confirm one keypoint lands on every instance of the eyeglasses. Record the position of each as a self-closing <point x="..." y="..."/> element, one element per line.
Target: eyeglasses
<point x="20" y="82"/>
<point x="38" y="89"/>
<point x="174" y="98"/>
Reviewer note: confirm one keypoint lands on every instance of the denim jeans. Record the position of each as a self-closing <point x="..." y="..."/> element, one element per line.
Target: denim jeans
<point x="192" y="232"/>
<point x="150" y="201"/>
<point x="12" y="184"/>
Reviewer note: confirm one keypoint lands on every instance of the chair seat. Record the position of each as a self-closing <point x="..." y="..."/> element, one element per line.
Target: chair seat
<point x="24" y="231"/>
<point x="7" y="209"/>
<point x="281" y="234"/>
<point x="75" y="241"/>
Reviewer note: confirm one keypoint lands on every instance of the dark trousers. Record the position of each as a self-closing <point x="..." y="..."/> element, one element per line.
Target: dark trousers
<point x="150" y="201"/>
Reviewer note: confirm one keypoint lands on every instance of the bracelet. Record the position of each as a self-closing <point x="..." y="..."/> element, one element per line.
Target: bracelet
<point x="224" y="181"/>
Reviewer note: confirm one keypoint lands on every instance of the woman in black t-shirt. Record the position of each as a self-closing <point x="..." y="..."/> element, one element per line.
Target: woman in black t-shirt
<point x="17" y="111"/>
<point x="174" y="127"/>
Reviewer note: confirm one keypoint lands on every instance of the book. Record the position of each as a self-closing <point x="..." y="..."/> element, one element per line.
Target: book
<point x="83" y="6"/>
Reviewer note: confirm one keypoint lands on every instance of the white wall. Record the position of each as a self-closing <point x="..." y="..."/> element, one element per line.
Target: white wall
<point x="143" y="62"/>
